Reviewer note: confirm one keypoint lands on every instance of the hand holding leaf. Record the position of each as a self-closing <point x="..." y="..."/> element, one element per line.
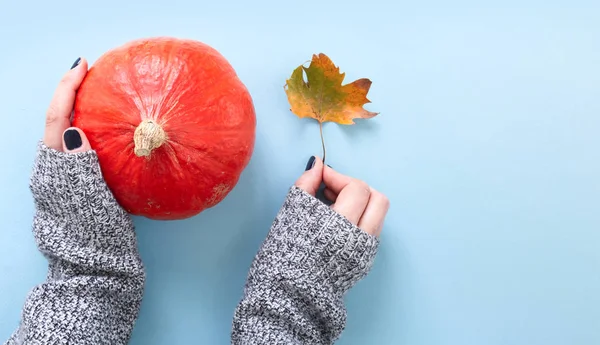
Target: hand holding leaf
<point x="323" y="97"/>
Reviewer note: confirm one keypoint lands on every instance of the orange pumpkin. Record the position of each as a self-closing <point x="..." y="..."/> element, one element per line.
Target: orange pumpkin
<point x="171" y="122"/>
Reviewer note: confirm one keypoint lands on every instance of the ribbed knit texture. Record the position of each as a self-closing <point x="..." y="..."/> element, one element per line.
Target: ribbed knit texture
<point x="297" y="281"/>
<point x="95" y="281"/>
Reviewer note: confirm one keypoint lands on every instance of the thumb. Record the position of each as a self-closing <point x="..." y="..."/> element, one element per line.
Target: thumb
<point x="74" y="140"/>
<point x="312" y="177"/>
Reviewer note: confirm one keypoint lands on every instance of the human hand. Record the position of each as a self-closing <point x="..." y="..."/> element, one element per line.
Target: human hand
<point x="59" y="135"/>
<point x="362" y="205"/>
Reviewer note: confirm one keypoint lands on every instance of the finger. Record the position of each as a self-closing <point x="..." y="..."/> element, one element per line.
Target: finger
<point x="372" y="219"/>
<point x="352" y="200"/>
<point x="312" y="177"/>
<point x="334" y="180"/>
<point x="58" y="115"/>
<point x="74" y="140"/>
<point x="329" y="194"/>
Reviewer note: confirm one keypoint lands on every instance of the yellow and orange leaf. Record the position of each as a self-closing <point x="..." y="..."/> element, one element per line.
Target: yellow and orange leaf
<point x="323" y="97"/>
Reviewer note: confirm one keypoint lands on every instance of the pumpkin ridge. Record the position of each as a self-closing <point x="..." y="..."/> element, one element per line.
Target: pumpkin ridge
<point x="210" y="102"/>
<point x="215" y="160"/>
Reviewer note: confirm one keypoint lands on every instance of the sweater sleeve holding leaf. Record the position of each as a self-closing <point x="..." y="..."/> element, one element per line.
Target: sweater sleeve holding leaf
<point x="93" y="290"/>
<point x="294" y="291"/>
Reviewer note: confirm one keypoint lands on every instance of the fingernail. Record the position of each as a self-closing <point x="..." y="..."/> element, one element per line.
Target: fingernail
<point x="310" y="164"/>
<point x="76" y="63"/>
<point x="72" y="139"/>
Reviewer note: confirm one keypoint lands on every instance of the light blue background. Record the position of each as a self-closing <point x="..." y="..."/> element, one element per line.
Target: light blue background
<point x="487" y="144"/>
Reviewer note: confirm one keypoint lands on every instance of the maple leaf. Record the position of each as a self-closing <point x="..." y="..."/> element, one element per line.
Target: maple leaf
<point x="323" y="97"/>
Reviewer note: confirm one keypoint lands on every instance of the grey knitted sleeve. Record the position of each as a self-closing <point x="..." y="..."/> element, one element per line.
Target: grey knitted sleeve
<point x="95" y="280"/>
<point x="294" y="291"/>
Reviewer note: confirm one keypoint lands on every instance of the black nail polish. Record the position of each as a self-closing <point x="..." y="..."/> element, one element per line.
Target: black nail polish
<point x="72" y="139"/>
<point x="311" y="163"/>
<point x="76" y="63"/>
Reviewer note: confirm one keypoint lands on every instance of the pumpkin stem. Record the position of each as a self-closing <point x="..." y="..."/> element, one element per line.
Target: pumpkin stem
<point x="148" y="136"/>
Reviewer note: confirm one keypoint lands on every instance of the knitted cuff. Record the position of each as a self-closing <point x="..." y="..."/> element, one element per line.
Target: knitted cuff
<point x="316" y="242"/>
<point x="67" y="182"/>
<point x="75" y="209"/>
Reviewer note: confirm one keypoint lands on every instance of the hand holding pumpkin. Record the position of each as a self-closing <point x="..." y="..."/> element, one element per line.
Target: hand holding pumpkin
<point x="59" y="135"/>
<point x="362" y="205"/>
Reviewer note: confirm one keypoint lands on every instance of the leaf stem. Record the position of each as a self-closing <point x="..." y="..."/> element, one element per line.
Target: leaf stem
<point x="322" y="140"/>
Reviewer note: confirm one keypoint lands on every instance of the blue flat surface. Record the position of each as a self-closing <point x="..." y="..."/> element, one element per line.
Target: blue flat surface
<point x="488" y="145"/>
